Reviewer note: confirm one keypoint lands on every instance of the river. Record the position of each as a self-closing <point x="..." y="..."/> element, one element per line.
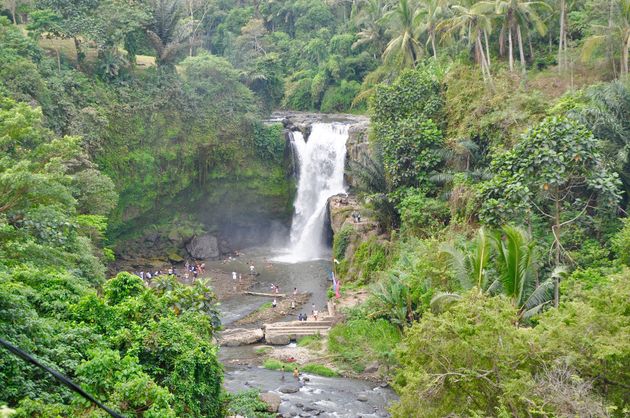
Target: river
<point x="304" y="263"/>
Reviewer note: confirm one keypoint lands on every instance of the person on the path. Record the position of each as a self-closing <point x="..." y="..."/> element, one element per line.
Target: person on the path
<point x="142" y="275"/>
<point x="315" y="313"/>
<point x="148" y="276"/>
<point x="252" y="269"/>
<point x="292" y="304"/>
<point x="274" y="303"/>
<point x="294" y="291"/>
<point x="277" y="289"/>
<point x="234" y="276"/>
<point x="282" y="377"/>
<point x="296" y="373"/>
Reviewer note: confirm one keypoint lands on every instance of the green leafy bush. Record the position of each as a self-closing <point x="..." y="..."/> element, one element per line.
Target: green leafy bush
<point x="422" y="216"/>
<point x="123" y="286"/>
<point x="247" y="404"/>
<point x="341" y="242"/>
<point x="339" y="98"/>
<point x="358" y="342"/>
<point x="621" y="243"/>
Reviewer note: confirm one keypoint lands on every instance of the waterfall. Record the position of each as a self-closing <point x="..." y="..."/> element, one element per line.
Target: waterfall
<point x="321" y="162"/>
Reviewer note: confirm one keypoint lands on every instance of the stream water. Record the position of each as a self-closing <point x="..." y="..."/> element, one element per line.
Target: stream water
<point x="303" y="263"/>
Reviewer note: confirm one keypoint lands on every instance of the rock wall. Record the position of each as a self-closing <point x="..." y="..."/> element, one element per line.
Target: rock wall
<point x="357" y="146"/>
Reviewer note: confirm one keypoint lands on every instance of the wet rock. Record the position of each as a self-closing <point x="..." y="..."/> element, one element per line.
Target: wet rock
<point x="278" y="339"/>
<point x="272" y="400"/>
<point x="362" y="397"/>
<point x="372" y="367"/>
<point x="289" y="388"/>
<point x="175" y="258"/>
<point x="203" y="247"/>
<point x="240" y="336"/>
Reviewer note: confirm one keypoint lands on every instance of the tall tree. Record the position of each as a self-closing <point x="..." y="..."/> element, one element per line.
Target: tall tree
<point x="556" y="168"/>
<point x="473" y="23"/>
<point x="165" y="32"/>
<point x="516" y="15"/>
<point x="404" y="44"/>
<point x="428" y="16"/>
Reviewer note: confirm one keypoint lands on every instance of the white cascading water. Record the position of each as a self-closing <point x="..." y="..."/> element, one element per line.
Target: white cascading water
<point x="321" y="167"/>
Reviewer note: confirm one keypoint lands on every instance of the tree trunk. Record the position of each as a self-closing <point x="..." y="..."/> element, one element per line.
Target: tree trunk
<point x="520" y="48"/>
<point x="432" y="35"/>
<point x="561" y="65"/>
<point x="556" y="234"/>
<point x="485" y="68"/>
<point x="510" y="49"/>
<point x="624" y="57"/>
<point x="485" y="35"/>
<point x="502" y="42"/>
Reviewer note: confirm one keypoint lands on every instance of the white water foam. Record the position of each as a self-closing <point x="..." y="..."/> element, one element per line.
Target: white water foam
<point x="321" y="167"/>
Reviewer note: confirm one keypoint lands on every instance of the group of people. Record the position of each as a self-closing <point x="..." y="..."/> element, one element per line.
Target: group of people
<point x="147" y="275"/>
<point x="304" y="317"/>
<point x="194" y="269"/>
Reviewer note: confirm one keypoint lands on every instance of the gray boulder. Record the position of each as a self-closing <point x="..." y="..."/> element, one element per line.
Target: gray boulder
<point x="203" y="247"/>
<point x="272" y="400"/>
<point x="289" y="388"/>
<point x="240" y="336"/>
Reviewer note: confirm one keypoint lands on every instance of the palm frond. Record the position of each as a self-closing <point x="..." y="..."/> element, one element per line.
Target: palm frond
<point x="441" y="302"/>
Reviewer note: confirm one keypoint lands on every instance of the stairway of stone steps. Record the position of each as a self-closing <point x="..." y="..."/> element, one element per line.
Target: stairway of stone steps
<point x="281" y="333"/>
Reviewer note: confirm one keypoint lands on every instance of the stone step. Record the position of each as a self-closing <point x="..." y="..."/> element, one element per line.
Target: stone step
<point x="300" y="331"/>
<point x="299" y="324"/>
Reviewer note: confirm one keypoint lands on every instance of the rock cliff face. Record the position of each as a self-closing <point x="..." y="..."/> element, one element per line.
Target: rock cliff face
<point x="357" y="146"/>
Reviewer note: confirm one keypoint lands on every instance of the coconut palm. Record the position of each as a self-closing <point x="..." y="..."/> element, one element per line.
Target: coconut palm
<point x="472" y="23"/>
<point x="518" y="14"/>
<point x="428" y="15"/>
<point x="404" y="44"/>
<point x="369" y="19"/>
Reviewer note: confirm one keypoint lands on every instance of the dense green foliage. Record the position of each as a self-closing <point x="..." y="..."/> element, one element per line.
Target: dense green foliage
<point x="497" y="174"/>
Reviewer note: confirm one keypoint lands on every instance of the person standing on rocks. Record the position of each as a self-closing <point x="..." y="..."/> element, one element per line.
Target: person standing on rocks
<point x="234" y="276"/>
<point x="274" y="303"/>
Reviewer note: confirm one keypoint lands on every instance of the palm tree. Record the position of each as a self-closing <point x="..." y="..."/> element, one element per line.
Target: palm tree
<point x="616" y="33"/>
<point x="165" y="33"/>
<point x="394" y="301"/>
<point x="472" y="23"/>
<point x="470" y="267"/>
<point x="404" y="44"/>
<point x="514" y="273"/>
<point x="517" y="14"/>
<point x="427" y="18"/>
<point x="370" y="19"/>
